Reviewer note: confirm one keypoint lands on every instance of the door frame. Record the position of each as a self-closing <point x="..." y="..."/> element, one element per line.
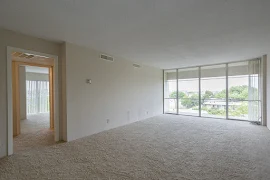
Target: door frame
<point x="16" y="93"/>
<point x="10" y="95"/>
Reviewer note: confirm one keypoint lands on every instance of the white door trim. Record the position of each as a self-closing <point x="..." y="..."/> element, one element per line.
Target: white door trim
<point x="9" y="96"/>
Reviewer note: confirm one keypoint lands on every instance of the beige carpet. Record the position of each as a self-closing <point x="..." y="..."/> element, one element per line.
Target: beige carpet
<point x="35" y="133"/>
<point x="164" y="147"/>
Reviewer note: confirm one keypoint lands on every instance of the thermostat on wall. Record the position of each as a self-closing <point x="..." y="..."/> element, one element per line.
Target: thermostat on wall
<point x="88" y="81"/>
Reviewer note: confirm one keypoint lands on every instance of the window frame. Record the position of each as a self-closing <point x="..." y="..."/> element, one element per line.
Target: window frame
<point x="260" y="59"/>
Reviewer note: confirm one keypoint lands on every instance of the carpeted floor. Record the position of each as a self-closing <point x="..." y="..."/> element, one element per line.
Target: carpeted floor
<point x="163" y="147"/>
<point x="35" y="133"/>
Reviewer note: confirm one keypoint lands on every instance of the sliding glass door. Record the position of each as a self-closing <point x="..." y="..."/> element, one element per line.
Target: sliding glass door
<point x="228" y="91"/>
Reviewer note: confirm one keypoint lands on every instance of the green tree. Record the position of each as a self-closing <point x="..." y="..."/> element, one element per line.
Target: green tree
<point x="238" y="92"/>
<point x="174" y="96"/>
<point x="207" y="95"/>
<point x="216" y="111"/>
<point x="180" y="95"/>
<point x="191" y="101"/>
<point x="239" y="111"/>
<point x="221" y="94"/>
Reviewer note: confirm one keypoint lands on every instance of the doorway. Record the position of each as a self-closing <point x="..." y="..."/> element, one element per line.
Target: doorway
<point x="32" y="100"/>
<point x="35" y="121"/>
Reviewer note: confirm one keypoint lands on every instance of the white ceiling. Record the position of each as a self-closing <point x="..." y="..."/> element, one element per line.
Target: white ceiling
<point x="161" y="33"/>
<point x="34" y="69"/>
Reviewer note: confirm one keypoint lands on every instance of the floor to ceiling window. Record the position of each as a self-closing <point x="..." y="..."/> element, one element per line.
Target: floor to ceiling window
<point x="228" y="91"/>
<point x="188" y="91"/>
<point x="213" y="91"/>
<point x="170" y="91"/>
<point x="243" y="90"/>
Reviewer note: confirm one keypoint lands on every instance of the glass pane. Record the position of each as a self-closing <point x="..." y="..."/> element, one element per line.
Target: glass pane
<point x="243" y="90"/>
<point x="244" y="110"/>
<point x="214" y="108"/>
<point x="170" y="91"/>
<point x="213" y="91"/>
<point x="37" y="96"/>
<point x="188" y="87"/>
<point x="170" y="106"/>
<point x="189" y="106"/>
<point x="243" y="80"/>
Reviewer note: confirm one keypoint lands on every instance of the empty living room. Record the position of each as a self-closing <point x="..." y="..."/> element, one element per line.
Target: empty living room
<point x="135" y="89"/>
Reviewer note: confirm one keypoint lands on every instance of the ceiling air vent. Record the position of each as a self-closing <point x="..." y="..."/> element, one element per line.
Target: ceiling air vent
<point x="107" y="58"/>
<point x="136" y="65"/>
<point x="23" y="55"/>
<point x="29" y="56"/>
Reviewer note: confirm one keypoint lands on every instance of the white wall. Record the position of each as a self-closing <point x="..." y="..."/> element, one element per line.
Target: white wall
<point x="119" y="92"/>
<point x="62" y="97"/>
<point x="9" y="38"/>
<point x="268" y="90"/>
<point x="22" y="81"/>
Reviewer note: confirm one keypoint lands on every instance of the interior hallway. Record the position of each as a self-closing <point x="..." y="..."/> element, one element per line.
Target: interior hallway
<point x="35" y="132"/>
